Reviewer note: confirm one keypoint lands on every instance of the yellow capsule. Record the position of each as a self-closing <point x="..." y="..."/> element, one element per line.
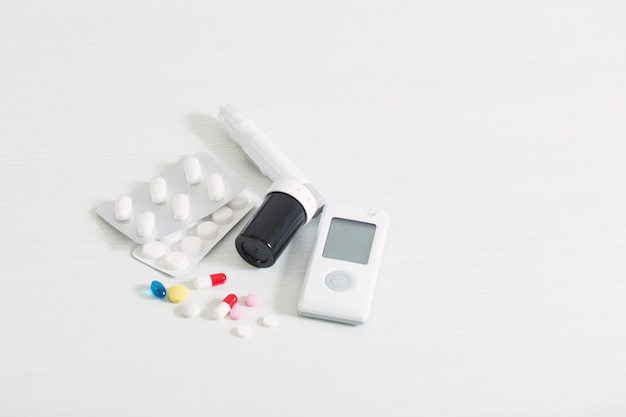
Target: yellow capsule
<point x="177" y="293"/>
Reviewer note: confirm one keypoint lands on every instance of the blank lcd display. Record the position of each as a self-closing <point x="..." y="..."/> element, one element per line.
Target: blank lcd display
<point x="349" y="240"/>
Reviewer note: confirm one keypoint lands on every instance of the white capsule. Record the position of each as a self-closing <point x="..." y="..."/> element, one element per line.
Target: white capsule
<point x="202" y="282"/>
<point x="223" y="215"/>
<point x="123" y="208"/>
<point x="191" y="244"/>
<point x="239" y="202"/>
<point x="158" y="190"/>
<point x="221" y="311"/>
<point x="207" y="230"/>
<point x="145" y="224"/>
<point x="216" y="187"/>
<point x="193" y="171"/>
<point x="181" y="207"/>
<point x="176" y="260"/>
<point x="153" y="250"/>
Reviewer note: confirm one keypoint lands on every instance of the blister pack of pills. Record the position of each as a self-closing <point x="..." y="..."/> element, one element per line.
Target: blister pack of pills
<point x="177" y="253"/>
<point x="192" y="189"/>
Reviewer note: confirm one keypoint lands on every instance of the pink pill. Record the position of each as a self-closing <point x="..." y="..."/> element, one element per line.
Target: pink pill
<point x="252" y="300"/>
<point x="236" y="313"/>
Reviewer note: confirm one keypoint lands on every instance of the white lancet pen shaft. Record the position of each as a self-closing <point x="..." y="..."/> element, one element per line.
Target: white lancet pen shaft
<point x="262" y="151"/>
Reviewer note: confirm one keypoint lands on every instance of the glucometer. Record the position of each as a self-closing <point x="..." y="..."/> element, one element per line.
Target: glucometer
<point x="290" y="202"/>
<point x="343" y="268"/>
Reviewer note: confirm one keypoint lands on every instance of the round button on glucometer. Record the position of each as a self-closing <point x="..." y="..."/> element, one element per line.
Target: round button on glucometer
<point x="339" y="281"/>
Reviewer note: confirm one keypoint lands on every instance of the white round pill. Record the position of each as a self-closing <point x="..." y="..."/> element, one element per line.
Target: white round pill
<point x="207" y="230"/>
<point x="223" y="215"/>
<point x="216" y="187"/>
<point x="171" y="238"/>
<point x="123" y="208"/>
<point x="176" y="260"/>
<point x="153" y="250"/>
<point x="190" y="310"/>
<point x="269" y="321"/>
<point x="158" y="190"/>
<point x="239" y="202"/>
<point x="243" y="331"/>
<point x="145" y="224"/>
<point x="181" y="207"/>
<point x="193" y="170"/>
<point x="191" y="244"/>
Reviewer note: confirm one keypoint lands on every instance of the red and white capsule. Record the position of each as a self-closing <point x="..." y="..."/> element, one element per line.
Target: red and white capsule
<point x="210" y="281"/>
<point x="224" y="307"/>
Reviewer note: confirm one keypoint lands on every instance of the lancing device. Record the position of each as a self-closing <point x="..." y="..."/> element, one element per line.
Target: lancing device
<point x="290" y="202"/>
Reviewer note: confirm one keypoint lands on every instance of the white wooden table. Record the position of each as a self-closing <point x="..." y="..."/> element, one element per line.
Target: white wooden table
<point x="492" y="133"/>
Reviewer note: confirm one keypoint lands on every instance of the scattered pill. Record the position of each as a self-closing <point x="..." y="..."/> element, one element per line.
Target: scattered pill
<point x="216" y="187"/>
<point x="171" y="238"/>
<point x="207" y="230"/>
<point x="191" y="244"/>
<point x="269" y="321"/>
<point x="237" y="313"/>
<point x="210" y="281"/>
<point x="193" y="171"/>
<point x="176" y="260"/>
<point x="123" y="208"/>
<point x="224" y="307"/>
<point x="190" y="310"/>
<point x="177" y="293"/>
<point x="145" y="224"/>
<point x="181" y="207"/>
<point x="239" y="202"/>
<point x="252" y="300"/>
<point x="153" y="250"/>
<point x="243" y="331"/>
<point x="158" y="289"/>
<point x="223" y="215"/>
<point x="158" y="190"/>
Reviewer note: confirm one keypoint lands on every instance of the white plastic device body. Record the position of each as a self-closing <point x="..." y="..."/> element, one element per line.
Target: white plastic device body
<point x="341" y="275"/>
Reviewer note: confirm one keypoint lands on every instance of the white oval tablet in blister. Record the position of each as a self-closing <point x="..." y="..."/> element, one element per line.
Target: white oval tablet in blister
<point x="193" y="170"/>
<point x="158" y="190"/>
<point x="153" y="250"/>
<point x="207" y="230"/>
<point x="191" y="244"/>
<point x="216" y="187"/>
<point x="123" y="208"/>
<point x="145" y="224"/>
<point x="223" y="215"/>
<point x="181" y="207"/>
<point x="176" y="260"/>
<point x="239" y="202"/>
<point x="171" y="238"/>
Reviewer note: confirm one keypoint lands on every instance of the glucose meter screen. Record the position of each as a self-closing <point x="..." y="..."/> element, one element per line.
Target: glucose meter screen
<point x="349" y="240"/>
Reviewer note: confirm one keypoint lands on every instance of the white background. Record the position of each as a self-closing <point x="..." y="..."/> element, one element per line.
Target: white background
<point x="492" y="132"/>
